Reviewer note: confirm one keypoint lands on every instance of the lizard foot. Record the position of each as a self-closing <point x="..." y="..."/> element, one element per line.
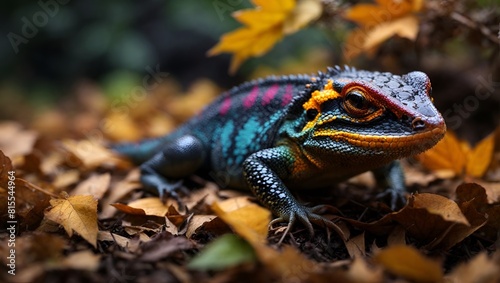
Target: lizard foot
<point x="396" y="197"/>
<point x="307" y="216"/>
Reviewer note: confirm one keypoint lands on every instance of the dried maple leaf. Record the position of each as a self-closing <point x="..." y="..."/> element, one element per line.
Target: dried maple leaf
<point x="457" y="156"/>
<point x="264" y="26"/>
<point x="78" y="213"/>
<point x="379" y="22"/>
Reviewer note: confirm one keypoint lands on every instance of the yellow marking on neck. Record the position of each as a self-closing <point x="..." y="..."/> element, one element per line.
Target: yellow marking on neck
<point x="318" y="97"/>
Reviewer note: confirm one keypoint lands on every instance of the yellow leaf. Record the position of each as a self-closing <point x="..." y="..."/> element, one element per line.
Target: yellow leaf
<point x="152" y="206"/>
<point x="408" y="263"/>
<point x="92" y="154"/>
<point x="264" y="26"/>
<point x="378" y="22"/>
<point x="248" y="219"/>
<point x="406" y="27"/>
<point x="456" y="155"/>
<point x="305" y="12"/>
<point x="480" y="157"/>
<point x="446" y="154"/>
<point x="78" y="213"/>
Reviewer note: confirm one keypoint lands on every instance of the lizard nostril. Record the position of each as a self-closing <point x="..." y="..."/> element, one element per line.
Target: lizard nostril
<point x="418" y="124"/>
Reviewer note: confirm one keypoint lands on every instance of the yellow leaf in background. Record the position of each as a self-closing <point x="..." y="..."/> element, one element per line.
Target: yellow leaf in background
<point x="379" y="22"/>
<point x="76" y="213"/>
<point x="406" y="27"/>
<point x="264" y="27"/>
<point x="456" y="155"/>
<point x="480" y="157"/>
<point x="305" y="12"/>
<point x="445" y="155"/>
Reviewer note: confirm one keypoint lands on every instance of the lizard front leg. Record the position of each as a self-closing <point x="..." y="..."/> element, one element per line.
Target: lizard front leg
<point x="392" y="177"/>
<point x="264" y="172"/>
<point x="178" y="159"/>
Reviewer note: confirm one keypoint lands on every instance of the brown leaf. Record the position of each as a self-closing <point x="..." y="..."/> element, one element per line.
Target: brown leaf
<point x="480" y="269"/>
<point x="152" y="206"/>
<point x="95" y="185"/>
<point x="435" y="220"/>
<point x="118" y="191"/>
<point x="128" y="209"/>
<point x="65" y="179"/>
<point x="361" y="271"/>
<point x="93" y="155"/>
<point x="407" y="262"/>
<point x="82" y="260"/>
<point x="15" y="141"/>
<point x="196" y="222"/>
<point x="78" y="213"/>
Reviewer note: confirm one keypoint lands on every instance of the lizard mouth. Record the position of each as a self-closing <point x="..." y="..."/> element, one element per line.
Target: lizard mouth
<point x="416" y="142"/>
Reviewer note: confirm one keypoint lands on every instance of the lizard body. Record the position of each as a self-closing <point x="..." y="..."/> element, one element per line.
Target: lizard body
<point x="287" y="133"/>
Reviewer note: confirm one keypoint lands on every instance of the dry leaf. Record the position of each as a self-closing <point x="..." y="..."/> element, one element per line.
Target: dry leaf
<point x="14" y="141"/>
<point x="82" y="260"/>
<point x="379" y="22"/>
<point x="118" y="191"/>
<point x="361" y="271"/>
<point x="121" y="127"/>
<point x="78" y="213"/>
<point x="264" y="27"/>
<point x="95" y="185"/>
<point x="480" y="269"/>
<point x="152" y="206"/>
<point x="65" y="179"/>
<point x="93" y="155"/>
<point x="455" y="155"/>
<point x="248" y="219"/>
<point x="407" y="262"/>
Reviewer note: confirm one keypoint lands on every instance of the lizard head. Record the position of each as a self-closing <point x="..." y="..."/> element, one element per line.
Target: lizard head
<point x="373" y="113"/>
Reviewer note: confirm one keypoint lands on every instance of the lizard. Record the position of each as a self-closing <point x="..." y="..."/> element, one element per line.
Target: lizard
<point x="298" y="132"/>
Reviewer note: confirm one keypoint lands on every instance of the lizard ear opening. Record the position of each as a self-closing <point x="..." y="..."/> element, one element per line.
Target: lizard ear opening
<point x="311" y="114"/>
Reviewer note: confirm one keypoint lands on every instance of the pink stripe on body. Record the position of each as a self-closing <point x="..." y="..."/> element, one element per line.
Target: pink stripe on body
<point x="249" y="100"/>
<point x="225" y="106"/>
<point x="269" y="95"/>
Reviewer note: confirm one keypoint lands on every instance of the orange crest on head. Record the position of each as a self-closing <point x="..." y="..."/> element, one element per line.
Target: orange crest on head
<point x="318" y="97"/>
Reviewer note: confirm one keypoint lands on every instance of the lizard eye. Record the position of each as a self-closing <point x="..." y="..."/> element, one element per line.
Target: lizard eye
<point x="356" y="104"/>
<point x="311" y="114"/>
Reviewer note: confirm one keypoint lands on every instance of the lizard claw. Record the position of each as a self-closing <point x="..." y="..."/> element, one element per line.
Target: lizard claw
<point x="307" y="216"/>
<point x="396" y="197"/>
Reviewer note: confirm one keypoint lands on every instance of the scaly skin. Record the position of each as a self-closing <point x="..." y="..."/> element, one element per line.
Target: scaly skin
<point x="298" y="133"/>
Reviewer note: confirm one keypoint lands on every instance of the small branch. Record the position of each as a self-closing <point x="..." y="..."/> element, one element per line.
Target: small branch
<point x="475" y="26"/>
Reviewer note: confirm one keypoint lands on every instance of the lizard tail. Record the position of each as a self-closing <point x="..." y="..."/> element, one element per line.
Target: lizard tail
<point x="138" y="152"/>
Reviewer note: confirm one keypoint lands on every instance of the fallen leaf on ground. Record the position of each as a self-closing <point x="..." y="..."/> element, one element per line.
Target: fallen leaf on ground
<point x="95" y="185"/>
<point x="248" y="219"/>
<point x="456" y="155"/>
<point x="76" y="213"/>
<point x="14" y="141"/>
<point x="480" y="268"/>
<point x="407" y="262"/>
